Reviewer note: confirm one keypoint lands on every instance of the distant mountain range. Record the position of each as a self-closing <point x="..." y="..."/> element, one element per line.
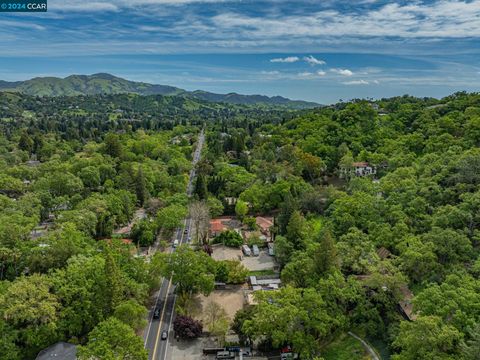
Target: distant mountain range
<point x="109" y="84"/>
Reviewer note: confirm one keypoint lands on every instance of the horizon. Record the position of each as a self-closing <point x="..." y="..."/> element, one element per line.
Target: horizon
<point x="233" y="92"/>
<point x="306" y="51"/>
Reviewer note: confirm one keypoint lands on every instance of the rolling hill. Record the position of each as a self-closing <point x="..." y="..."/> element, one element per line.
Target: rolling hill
<point x="103" y="83"/>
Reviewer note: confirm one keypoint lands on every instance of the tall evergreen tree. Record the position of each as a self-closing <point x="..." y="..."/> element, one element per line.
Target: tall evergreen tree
<point x="296" y="230"/>
<point x="326" y="254"/>
<point x="26" y="142"/>
<point x="201" y="188"/>
<point x="114" y="283"/>
<point x="141" y="187"/>
<point x="113" y="147"/>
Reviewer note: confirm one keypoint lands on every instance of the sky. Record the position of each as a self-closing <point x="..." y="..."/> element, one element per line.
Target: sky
<point x="316" y="50"/>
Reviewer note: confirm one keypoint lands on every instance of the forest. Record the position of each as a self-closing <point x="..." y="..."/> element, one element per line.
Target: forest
<point x="354" y="251"/>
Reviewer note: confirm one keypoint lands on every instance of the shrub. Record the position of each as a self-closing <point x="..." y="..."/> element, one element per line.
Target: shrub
<point x="187" y="328"/>
<point x="229" y="238"/>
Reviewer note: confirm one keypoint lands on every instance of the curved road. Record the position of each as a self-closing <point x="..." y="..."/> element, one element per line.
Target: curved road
<point x="165" y="297"/>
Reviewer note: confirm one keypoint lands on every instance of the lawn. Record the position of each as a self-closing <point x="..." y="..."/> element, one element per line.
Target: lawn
<point x="267" y="272"/>
<point x="345" y="347"/>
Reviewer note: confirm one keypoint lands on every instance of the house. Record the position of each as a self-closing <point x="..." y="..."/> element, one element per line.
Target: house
<point x="124" y="231"/>
<point x="383" y="253"/>
<point x="217" y="227"/>
<point x="264" y="225"/>
<point x="223" y="223"/>
<point x="60" y="350"/>
<point x="262" y="283"/>
<point x="33" y="163"/>
<point x="405" y="305"/>
<point x="230" y="201"/>
<point x="363" y="169"/>
<point x="265" y="282"/>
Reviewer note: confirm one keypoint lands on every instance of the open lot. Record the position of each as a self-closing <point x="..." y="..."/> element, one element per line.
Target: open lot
<point x="253" y="263"/>
<point x="230" y="300"/>
<point x="192" y="349"/>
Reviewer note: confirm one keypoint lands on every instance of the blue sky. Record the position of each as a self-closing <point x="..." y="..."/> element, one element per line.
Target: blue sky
<point x="306" y="49"/>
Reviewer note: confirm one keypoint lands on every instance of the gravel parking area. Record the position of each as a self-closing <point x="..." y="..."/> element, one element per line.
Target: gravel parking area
<point x="253" y="263"/>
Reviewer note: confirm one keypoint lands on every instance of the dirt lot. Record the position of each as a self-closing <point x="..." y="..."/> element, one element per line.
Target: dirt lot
<point x="253" y="263"/>
<point x="230" y="300"/>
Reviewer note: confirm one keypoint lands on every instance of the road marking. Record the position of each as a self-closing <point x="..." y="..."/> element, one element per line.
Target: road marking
<point x="151" y="316"/>
<point x="189" y="190"/>
<point x="170" y="325"/>
<point x="166" y="298"/>
<point x="161" y="320"/>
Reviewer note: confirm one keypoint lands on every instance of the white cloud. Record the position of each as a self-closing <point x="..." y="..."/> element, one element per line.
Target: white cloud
<point x="289" y="59"/>
<point x="441" y="19"/>
<point x="313" y="61"/>
<point x="356" y="82"/>
<point x="21" y="25"/>
<point x="321" y="73"/>
<point x="343" y="72"/>
<point x="270" y="73"/>
<point x="85" y="6"/>
<point x="305" y="74"/>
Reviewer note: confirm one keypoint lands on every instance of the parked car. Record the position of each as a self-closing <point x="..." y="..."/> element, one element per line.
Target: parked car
<point x="175" y="243"/>
<point x="246" y="250"/>
<point x="225" y="355"/>
<point x="271" y="250"/>
<point x="164" y="335"/>
<point x="156" y="313"/>
<point x="255" y="250"/>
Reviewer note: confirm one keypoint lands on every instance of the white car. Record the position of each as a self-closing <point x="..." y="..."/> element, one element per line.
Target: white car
<point x="175" y="243"/>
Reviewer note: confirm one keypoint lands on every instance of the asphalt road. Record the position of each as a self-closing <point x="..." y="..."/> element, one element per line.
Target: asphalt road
<point x="165" y="297"/>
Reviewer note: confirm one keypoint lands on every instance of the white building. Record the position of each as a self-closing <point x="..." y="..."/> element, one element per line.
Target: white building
<point x="363" y="169"/>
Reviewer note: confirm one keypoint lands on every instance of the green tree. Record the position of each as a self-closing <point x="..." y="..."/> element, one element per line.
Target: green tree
<point x="229" y="238"/>
<point x="326" y="254"/>
<point x="283" y="250"/>
<point x="217" y="321"/>
<point x="114" y="282"/>
<point x="26" y="142"/>
<point x="141" y="187"/>
<point x="113" y="146"/>
<point x="170" y="217"/>
<point x="215" y="206"/>
<point x="81" y="289"/>
<point x="427" y="338"/>
<point x="29" y="306"/>
<point x="300" y="317"/>
<point x="201" y="187"/>
<point x="297" y="230"/>
<point x="131" y="313"/>
<point x="191" y="271"/>
<point x="454" y="301"/>
<point x="471" y="347"/>
<point x="450" y="246"/>
<point x="113" y="340"/>
<point x="143" y="232"/>
<point x="241" y="209"/>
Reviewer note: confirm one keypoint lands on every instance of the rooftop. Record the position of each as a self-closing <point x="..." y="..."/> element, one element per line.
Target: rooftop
<point x="264" y="222"/>
<point x="360" y="164"/>
<point x="60" y="351"/>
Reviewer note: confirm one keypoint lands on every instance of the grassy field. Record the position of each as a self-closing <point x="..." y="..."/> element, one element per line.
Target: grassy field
<point x="345" y="347"/>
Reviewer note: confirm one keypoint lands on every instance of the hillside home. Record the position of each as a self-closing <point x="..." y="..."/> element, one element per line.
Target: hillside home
<point x="363" y="169"/>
